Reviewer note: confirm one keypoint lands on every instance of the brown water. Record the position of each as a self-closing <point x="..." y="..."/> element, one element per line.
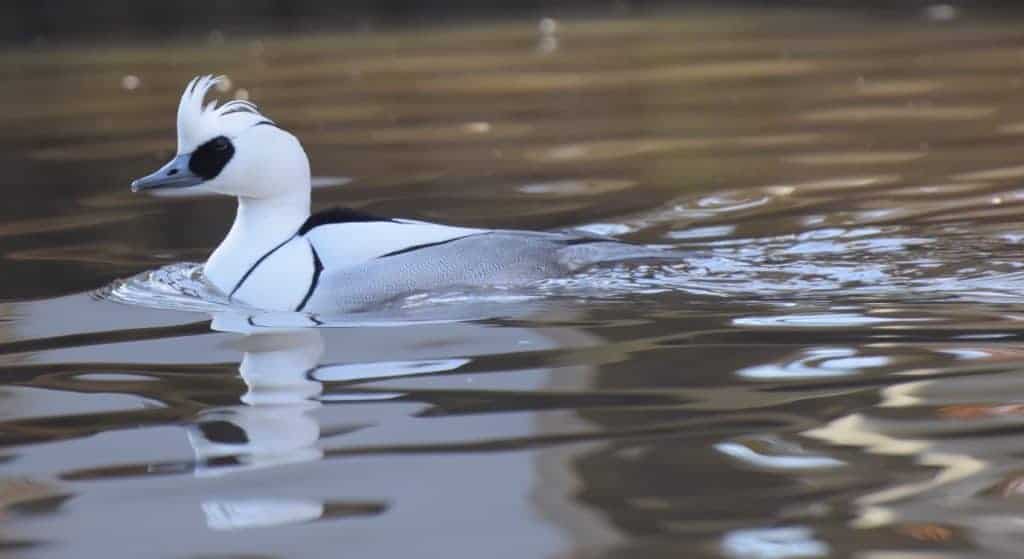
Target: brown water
<point x="832" y="372"/>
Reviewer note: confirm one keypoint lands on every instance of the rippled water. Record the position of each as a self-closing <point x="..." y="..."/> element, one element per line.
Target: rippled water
<point x="831" y="371"/>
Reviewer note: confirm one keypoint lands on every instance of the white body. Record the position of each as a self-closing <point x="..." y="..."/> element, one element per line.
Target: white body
<point x="366" y="263"/>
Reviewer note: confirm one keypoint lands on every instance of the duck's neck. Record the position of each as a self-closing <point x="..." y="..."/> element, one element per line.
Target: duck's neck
<point x="261" y="224"/>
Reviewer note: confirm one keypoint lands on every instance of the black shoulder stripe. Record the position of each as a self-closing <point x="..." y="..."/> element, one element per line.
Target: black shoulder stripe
<point x="252" y="268"/>
<point x="318" y="268"/>
<point x="426" y="245"/>
<point x="338" y="215"/>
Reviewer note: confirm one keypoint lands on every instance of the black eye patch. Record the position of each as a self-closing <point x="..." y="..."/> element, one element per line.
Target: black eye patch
<point x="209" y="159"/>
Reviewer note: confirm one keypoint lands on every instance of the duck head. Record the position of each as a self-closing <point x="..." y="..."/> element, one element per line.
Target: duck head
<point x="231" y="149"/>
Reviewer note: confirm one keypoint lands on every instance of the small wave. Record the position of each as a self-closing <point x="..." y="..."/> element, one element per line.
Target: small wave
<point x="178" y="286"/>
<point x="182" y="287"/>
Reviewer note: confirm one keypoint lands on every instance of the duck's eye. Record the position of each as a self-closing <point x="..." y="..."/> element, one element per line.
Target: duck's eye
<point x="209" y="159"/>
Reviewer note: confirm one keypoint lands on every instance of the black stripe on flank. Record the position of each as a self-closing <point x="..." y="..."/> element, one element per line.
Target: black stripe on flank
<point x="252" y="268"/>
<point x="338" y="215"/>
<point x="587" y="241"/>
<point x="426" y="245"/>
<point x="318" y="268"/>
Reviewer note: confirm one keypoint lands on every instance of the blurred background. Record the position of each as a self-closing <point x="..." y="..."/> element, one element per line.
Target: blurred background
<point x="33" y="22"/>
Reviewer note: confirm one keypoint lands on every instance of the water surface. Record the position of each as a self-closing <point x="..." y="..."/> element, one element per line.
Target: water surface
<point x="830" y="372"/>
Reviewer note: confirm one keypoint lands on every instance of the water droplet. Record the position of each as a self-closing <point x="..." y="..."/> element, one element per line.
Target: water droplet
<point x="130" y="82"/>
<point x="547" y="26"/>
<point x="941" y="12"/>
<point x="477" y="127"/>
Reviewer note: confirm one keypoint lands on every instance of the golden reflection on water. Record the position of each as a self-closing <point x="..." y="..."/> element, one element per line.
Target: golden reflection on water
<point x="860" y="158"/>
<point x="927" y="112"/>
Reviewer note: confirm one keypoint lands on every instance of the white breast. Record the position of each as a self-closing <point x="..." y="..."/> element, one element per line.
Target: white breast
<point x="281" y="280"/>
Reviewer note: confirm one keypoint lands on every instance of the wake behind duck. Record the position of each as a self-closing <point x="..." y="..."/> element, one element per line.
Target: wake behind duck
<point x="277" y="256"/>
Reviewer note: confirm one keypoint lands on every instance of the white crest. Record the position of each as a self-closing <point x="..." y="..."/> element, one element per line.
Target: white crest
<point x="198" y="124"/>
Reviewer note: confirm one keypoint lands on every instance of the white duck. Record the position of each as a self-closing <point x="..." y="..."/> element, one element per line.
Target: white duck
<point x="279" y="257"/>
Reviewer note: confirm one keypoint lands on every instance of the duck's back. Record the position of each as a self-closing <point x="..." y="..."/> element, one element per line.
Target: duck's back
<point x="343" y="237"/>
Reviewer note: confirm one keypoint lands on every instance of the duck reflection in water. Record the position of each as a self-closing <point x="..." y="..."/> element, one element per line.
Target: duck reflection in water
<point x="274" y="426"/>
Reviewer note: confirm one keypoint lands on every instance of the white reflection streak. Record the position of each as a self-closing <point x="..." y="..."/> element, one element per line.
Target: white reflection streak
<point x="253" y="513"/>
<point x="773" y="543"/>
<point x="384" y="369"/>
<point x="816" y="362"/>
<point x="790" y="462"/>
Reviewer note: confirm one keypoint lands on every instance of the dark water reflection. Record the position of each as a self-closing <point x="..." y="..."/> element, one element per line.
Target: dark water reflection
<point x="831" y="372"/>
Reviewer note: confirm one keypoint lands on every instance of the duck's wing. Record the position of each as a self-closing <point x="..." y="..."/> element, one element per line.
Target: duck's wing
<point x="342" y="238"/>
